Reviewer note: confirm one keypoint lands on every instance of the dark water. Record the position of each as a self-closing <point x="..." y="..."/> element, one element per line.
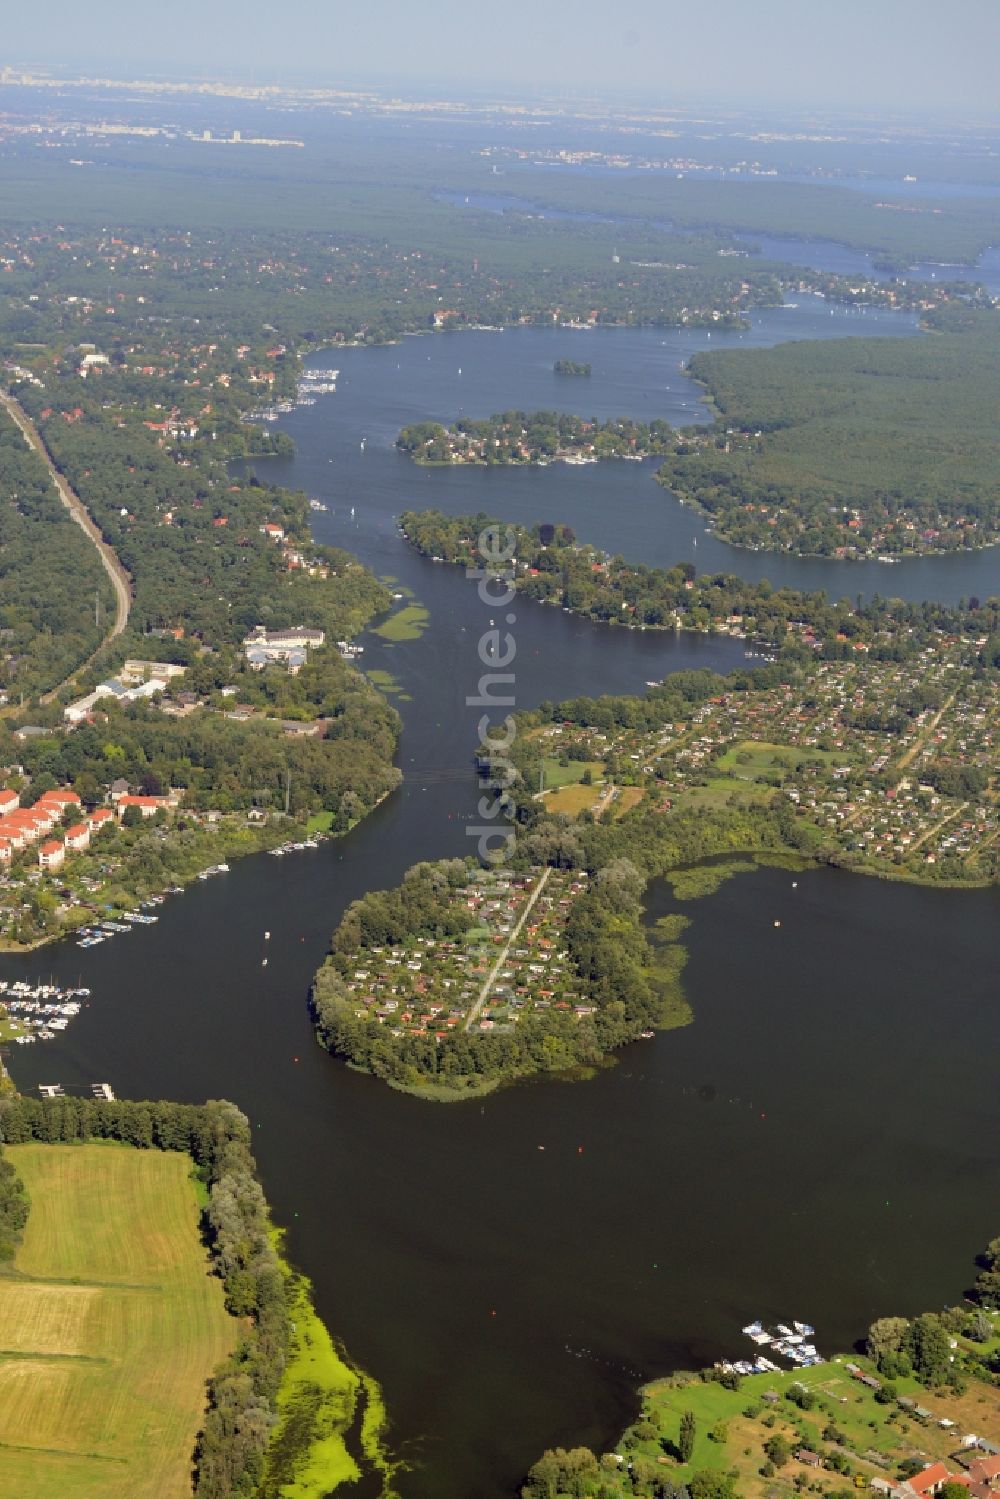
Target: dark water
<point x="508" y="1297"/>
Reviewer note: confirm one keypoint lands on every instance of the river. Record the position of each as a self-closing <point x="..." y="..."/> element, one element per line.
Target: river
<point x="781" y="1156"/>
<point x="815" y="254"/>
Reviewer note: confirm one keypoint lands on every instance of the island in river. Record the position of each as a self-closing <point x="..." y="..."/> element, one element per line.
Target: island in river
<point x="854" y="449"/>
<point x="461" y="978"/>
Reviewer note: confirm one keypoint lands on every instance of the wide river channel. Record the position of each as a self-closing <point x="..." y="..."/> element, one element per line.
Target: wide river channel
<point x="820" y="1143"/>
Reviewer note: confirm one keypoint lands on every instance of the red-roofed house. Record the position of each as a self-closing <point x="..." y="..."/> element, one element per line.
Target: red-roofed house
<point x="985" y="1470"/>
<point x="147" y="805"/>
<point x="6" y="850"/>
<point x="78" y="836"/>
<point x="25" y="825"/>
<point x="102" y="817"/>
<point x="930" y="1481"/>
<point x="62" y="799"/>
<point x="43" y="814"/>
<point x="8" y="800"/>
<point x="15" y="836"/>
<point x="272" y="532"/>
<point x="51" y="855"/>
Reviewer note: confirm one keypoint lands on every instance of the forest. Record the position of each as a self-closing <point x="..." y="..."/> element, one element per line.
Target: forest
<point x="55" y="600"/>
<point x="850" y="446"/>
<point x="189" y="536"/>
<point x="388" y="187"/>
<point x="227" y="765"/>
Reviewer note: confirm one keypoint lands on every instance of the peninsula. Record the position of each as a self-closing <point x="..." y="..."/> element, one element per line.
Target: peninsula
<point x="872" y="729"/>
<point x="912" y="1416"/>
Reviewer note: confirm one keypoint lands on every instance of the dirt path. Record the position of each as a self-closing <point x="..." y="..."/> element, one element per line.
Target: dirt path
<point x="491" y="980"/>
<point x="120" y="580"/>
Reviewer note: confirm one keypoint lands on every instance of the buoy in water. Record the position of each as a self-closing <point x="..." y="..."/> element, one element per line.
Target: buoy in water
<point x="777" y="923"/>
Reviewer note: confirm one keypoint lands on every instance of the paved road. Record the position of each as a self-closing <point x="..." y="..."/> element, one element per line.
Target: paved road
<point x="120" y="580"/>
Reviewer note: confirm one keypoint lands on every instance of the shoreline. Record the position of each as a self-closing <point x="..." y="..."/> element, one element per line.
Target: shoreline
<point x="13" y="949"/>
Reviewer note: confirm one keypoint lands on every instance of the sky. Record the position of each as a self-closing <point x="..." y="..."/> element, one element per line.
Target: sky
<point x="902" y="56"/>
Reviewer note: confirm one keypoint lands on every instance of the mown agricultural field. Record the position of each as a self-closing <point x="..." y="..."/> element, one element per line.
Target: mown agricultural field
<point x="110" y="1326"/>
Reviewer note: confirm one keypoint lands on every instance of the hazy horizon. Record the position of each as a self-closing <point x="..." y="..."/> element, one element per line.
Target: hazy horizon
<point x="878" y="58"/>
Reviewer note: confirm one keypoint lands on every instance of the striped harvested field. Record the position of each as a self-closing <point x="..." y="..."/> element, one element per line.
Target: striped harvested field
<point x="110" y="1325"/>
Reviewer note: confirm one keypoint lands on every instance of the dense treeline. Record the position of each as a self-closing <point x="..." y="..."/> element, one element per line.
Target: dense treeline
<point x="851" y="445"/>
<point x="143" y="434"/>
<point x="226" y="765"/>
<point x="14" y="1207"/>
<point x="50" y="576"/>
<point x="242" y="1412"/>
<point x="191" y="539"/>
<point x="550" y="565"/>
<point x="398" y="271"/>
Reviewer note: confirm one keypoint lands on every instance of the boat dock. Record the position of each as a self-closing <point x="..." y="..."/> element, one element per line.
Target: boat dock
<point x="791" y="1342"/>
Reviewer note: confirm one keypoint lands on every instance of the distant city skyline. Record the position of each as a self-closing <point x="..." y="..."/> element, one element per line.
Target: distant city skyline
<point x="882" y="56"/>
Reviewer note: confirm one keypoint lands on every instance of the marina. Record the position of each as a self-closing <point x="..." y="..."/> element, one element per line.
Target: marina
<point x="293" y="848"/>
<point x="39" y="1010"/>
<point x="103" y="930"/>
<point x="792" y="1343"/>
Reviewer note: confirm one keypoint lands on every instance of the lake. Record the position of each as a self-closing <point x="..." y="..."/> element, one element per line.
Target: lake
<point x="618" y="505"/>
<point x="778" y="1158"/>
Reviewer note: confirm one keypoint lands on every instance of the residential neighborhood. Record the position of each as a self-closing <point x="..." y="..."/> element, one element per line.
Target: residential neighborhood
<point x="889" y="765"/>
<point x="512" y="961"/>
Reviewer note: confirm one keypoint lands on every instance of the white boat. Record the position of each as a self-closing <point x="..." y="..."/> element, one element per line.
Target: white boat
<point x="805" y="1328"/>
